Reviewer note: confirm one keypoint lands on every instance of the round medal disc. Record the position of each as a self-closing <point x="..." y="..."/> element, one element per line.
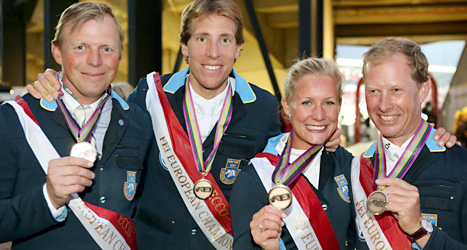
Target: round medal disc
<point x="203" y="189"/>
<point x="377" y="202"/>
<point x="84" y="150"/>
<point x="280" y="197"/>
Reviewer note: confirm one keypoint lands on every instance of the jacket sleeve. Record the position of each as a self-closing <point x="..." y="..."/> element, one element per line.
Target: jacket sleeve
<point x="138" y="96"/>
<point x="21" y="213"/>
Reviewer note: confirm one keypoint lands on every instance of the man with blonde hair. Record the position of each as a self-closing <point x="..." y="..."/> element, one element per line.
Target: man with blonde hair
<point x="408" y="191"/>
<point x="71" y="167"/>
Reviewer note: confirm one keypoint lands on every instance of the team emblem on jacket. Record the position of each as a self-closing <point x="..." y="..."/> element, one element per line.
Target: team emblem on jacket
<point x="230" y="172"/>
<point x="432" y="218"/>
<point x="129" y="187"/>
<point x="343" y="187"/>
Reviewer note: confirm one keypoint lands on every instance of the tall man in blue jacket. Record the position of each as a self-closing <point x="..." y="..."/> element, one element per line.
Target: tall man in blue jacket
<point x="424" y="186"/>
<point x="48" y="199"/>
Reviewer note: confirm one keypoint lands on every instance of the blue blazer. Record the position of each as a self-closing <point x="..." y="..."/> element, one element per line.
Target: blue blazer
<point x="25" y="217"/>
<point x="162" y="220"/>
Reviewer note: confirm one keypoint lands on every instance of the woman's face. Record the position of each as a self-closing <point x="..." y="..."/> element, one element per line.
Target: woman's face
<point x="314" y="110"/>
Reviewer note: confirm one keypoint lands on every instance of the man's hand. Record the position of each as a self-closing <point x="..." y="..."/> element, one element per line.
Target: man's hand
<point x="334" y="141"/>
<point x="404" y="203"/>
<point x="266" y="227"/>
<point x="46" y="86"/>
<point x="66" y="176"/>
<point x="444" y="138"/>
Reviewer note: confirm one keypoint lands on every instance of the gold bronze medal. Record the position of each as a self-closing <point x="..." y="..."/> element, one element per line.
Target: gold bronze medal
<point x="84" y="150"/>
<point x="377" y="202"/>
<point x="280" y="197"/>
<point x="203" y="189"/>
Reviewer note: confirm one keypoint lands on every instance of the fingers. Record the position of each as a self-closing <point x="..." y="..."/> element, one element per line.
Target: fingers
<point x="266" y="226"/>
<point x="66" y="176"/>
<point x="334" y="141"/>
<point x="404" y="203"/>
<point x="46" y="86"/>
<point x="444" y="138"/>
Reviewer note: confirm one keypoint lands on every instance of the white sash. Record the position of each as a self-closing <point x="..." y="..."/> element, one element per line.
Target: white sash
<point x="198" y="209"/>
<point x="297" y="222"/>
<point x="100" y="229"/>
<point x="366" y="222"/>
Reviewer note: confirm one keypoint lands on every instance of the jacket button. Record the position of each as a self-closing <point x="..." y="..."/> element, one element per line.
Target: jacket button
<point x="325" y="207"/>
<point x="193" y="231"/>
<point x="102" y="199"/>
<point x="121" y="122"/>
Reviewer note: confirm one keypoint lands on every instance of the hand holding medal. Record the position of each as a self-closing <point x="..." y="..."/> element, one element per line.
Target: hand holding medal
<point x="378" y="201"/>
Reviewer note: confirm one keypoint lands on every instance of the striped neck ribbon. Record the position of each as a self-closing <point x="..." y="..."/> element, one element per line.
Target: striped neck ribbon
<point x="193" y="128"/>
<point x="84" y="133"/>
<point x="407" y="158"/>
<point x="286" y="173"/>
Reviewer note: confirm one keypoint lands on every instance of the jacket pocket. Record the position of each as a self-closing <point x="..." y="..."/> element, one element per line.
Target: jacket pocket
<point x="154" y="221"/>
<point x="436" y="194"/>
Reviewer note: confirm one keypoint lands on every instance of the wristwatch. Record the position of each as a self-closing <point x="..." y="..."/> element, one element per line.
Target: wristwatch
<point x="426" y="228"/>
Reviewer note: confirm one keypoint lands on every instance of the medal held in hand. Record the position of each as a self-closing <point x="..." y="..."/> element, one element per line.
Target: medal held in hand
<point x="377" y="201"/>
<point x="280" y="196"/>
<point x="84" y="150"/>
<point x="203" y="188"/>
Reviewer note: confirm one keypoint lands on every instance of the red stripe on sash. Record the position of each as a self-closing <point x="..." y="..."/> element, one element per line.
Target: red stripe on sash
<point x="217" y="203"/>
<point x="25" y="106"/>
<point x="123" y="224"/>
<point x="396" y="237"/>
<point x="312" y="207"/>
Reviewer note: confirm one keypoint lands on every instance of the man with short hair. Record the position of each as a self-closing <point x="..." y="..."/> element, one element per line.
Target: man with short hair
<point x="418" y="187"/>
<point x="49" y="199"/>
<point x="222" y="122"/>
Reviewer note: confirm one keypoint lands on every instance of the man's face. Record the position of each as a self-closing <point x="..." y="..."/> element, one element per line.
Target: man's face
<point x="393" y="99"/>
<point x="211" y="50"/>
<point x="90" y="57"/>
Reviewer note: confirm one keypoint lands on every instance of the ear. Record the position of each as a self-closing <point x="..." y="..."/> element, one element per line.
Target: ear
<point x="424" y="90"/>
<point x="237" y="53"/>
<point x="57" y="53"/>
<point x="285" y="106"/>
<point x="184" y="49"/>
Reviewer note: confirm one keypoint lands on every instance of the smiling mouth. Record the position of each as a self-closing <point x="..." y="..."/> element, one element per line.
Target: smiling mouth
<point x="388" y="117"/>
<point x="212" y="67"/>
<point x="315" y="127"/>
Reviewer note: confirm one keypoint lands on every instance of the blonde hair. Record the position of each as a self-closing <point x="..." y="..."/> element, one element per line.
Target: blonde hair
<point x="383" y="50"/>
<point x="204" y="8"/>
<point x="313" y="67"/>
<point x="79" y="13"/>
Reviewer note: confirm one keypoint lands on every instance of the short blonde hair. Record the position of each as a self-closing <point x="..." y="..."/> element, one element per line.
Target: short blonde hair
<point x="79" y="13"/>
<point x="313" y="67"/>
<point x="383" y="50"/>
<point x="204" y="8"/>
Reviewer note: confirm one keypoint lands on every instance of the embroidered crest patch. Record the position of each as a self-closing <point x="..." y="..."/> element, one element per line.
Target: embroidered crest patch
<point x="432" y="218"/>
<point x="230" y="172"/>
<point x="343" y="187"/>
<point x="129" y="187"/>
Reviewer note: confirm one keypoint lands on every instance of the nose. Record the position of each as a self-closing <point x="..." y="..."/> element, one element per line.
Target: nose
<point x="213" y="50"/>
<point x="318" y="113"/>
<point x="94" y="58"/>
<point x="385" y="103"/>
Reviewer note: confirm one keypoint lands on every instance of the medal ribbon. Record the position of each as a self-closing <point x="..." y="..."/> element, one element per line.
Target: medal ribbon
<point x="286" y="173"/>
<point x="407" y="158"/>
<point x="84" y="133"/>
<point x="193" y="128"/>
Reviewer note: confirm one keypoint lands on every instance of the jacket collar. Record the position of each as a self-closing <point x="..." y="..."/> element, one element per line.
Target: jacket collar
<point x="430" y="143"/>
<point x="241" y="85"/>
<point x="52" y="106"/>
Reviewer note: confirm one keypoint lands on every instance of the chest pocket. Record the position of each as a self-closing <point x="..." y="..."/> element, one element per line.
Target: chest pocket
<point x="238" y="146"/>
<point x="438" y="194"/>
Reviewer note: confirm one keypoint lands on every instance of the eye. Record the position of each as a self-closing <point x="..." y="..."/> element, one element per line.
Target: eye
<point x="306" y="103"/>
<point x="330" y="103"/>
<point x="225" y="40"/>
<point x="107" y="50"/>
<point x="80" y="47"/>
<point x="202" y="39"/>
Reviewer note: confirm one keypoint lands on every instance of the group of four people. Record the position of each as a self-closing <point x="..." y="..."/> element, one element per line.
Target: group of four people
<point x="177" y="157"/>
